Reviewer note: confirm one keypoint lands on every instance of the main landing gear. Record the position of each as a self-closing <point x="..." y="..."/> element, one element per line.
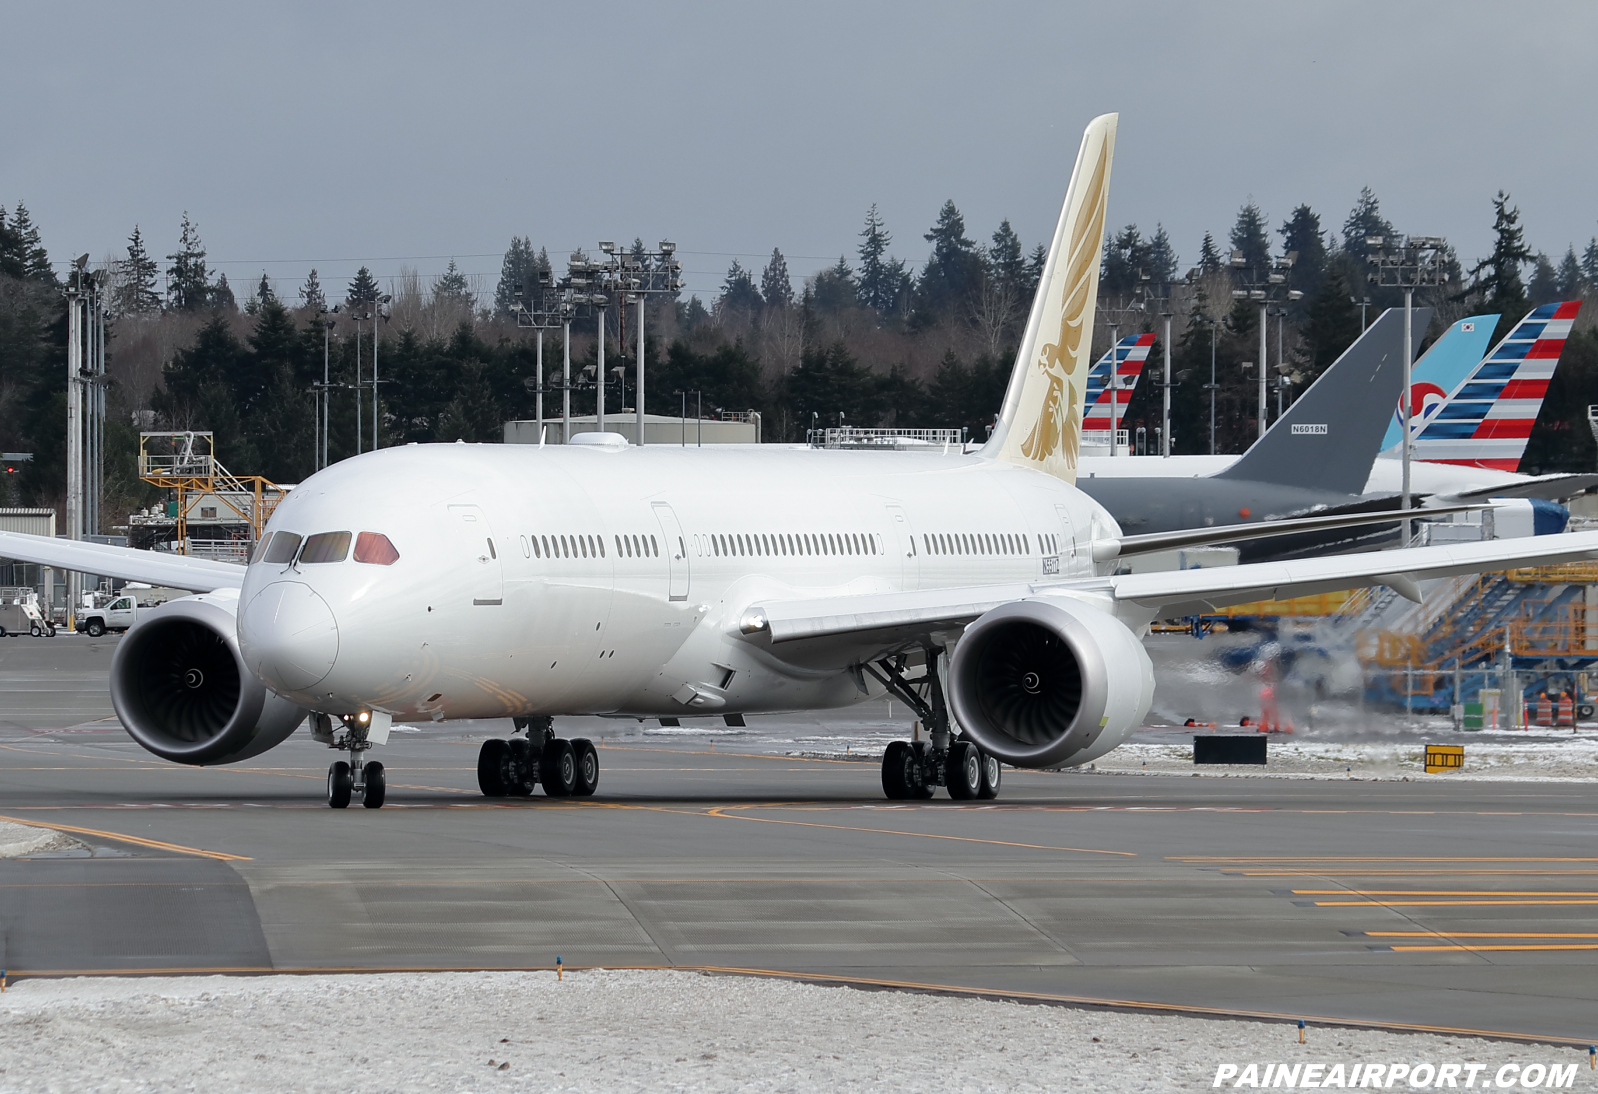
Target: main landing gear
<point x="912" y="770"/>
<point x="355" y="777"/>
<point x="511" y="768"/>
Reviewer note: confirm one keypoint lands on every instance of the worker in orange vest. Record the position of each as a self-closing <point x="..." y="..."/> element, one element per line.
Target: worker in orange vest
<point x="1545" y="710"/>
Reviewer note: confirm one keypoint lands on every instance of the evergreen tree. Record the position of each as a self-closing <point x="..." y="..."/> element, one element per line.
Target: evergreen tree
<point x="881" y="279"/>
<point x="136" y="292"/>
<point x="1124" y="264"/>
<point x="738" y="292"/>
<point x="453" y="289"/>
<point x="311" y="295"/>
<point x="1589" y="262"/>
<point x="1249" y="236"/>
<point x="12" y="262"/>
<point x="1333" y="322"/>
<point x="1036" y="261"/>
<point x="1209" y="255"/>
<point x="1495" y="280"/>
<point x="1570" y="275"/>
<point x="1544" y="287"/>
<point x="363" y="289"/>
<point x="30" y="248"/>
<point x="1162" y="256"/>
<point x="775" y="284"/>
<point x="833" y="289"/>
<point x="188" y="281"/>
<point x="1006" y="261"/>
<point x="1301" y="233"/>
<point x="1364" y="220"/>
<point x="520" y="267"/>
<point x="221" y="296"/>
<point x="953" y="273"/>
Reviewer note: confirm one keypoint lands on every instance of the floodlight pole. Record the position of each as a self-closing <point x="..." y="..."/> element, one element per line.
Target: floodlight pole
<point x="538" y="392"/>
<point x="74" y="431"/>
<point x="1165" y="415"/>
<point x="566" y="379"/>
<point x="599" y="376"/>
<point x="1264" y="407"/>
<point x="638" y="396"/>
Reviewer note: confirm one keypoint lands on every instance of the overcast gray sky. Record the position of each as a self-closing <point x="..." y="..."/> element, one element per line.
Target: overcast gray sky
<point x="331" y="135"/>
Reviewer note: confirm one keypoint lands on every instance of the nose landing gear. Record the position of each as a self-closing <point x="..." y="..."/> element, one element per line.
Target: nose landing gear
<point x="347" y="780"/>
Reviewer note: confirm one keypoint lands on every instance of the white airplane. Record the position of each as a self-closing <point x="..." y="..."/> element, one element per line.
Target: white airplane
<point x="482" y="581"/>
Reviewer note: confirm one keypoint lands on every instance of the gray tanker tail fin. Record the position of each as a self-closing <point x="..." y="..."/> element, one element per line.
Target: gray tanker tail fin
<point x="1328" y="439"/>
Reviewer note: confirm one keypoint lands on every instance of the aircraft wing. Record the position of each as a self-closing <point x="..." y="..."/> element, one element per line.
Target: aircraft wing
<point x="1547" y="487"/>
<point x="198" y="575"/>
<point x="889" y="618"/>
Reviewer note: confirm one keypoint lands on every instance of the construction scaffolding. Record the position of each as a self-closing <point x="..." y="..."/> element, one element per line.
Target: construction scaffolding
<point x="185" y="462"/>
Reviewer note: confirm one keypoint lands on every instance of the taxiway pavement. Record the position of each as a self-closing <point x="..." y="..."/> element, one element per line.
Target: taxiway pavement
<point x="1461" y="906"/>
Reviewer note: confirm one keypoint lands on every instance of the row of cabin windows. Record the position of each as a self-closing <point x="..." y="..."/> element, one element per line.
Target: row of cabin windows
<point x="789" y="544"/>
<point x="977" y="543"/>
<point x="585" y="546"/>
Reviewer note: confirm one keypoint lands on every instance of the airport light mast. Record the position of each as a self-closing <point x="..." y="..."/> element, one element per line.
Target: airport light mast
<point x="1265" y="293"/>
<point x="639" y="272"/>
<point x="1407" y="263"/>
<point x="546" y="312"/>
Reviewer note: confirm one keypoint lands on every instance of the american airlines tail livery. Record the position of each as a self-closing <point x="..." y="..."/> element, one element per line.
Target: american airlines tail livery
<point x="484" y="581"/>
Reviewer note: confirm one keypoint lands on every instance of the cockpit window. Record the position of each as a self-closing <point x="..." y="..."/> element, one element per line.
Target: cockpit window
<point x="280" y="551"/>
<point x="374" y="548"/>
<point x="325" y="547"/>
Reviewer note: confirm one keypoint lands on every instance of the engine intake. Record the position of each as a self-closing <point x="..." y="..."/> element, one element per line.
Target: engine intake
<point x="1039" y="683"/>
<point x="181" y="688"/>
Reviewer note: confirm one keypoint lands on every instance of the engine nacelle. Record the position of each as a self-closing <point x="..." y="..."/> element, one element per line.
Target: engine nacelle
<point x="1039" y="683"/>
<point x="181" y="688"/>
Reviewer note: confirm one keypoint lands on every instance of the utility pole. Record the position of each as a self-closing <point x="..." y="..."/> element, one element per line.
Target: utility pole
<point x="534" y="310"/>
<point x="1165" y="414"/>
<point x="1407" y="263"/>
<point x="379" y="311"/>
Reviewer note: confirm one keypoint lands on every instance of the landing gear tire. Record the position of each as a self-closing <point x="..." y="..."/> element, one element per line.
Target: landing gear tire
<point x="557" y="768"/>
<point x="376" y="785"/>
<point x="95" y="628"/>
<point x="920" y="789"/>
<point x="896" y="773"/>
<point x="521" y="773"/>
<point x="963" y="771"/>
<point x="587" y="767"/>
<point x="991" y="774"/>
<point x="340" y="785"/>
<point x="493" y="760"/>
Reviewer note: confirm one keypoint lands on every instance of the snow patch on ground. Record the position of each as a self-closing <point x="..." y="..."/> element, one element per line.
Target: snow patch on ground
<point x="17" y="840"/>
<point x="624" y="1032"/>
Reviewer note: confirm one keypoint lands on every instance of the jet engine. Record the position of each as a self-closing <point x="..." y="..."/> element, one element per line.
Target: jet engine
<point x="181" y="689"/>
<point x="1039" y="683"/>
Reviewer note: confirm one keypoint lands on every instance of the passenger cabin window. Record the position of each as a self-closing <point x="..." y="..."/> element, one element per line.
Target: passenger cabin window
<point x="326" y="547"/>
<point x="280" y="552"/>
<point x="374" y="549"/>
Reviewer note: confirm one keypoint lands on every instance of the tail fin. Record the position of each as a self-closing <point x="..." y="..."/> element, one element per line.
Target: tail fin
<point x="1040" y="425"/>
<point x="1327" y="439"/>
<point x="1449" y="360"/>
<point x="1130" y="353"/>
<point x="1488" y="417"/>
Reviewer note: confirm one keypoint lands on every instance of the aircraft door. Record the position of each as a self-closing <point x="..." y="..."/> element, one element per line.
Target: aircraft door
<point x="1067" y="536"/>
<point x="675" y="547"/>
<point x="902" y="542"/>
<point x="478" y="553"/>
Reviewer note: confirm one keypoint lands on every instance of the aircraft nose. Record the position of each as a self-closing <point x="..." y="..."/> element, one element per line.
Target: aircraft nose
<point x="288" y="635"/>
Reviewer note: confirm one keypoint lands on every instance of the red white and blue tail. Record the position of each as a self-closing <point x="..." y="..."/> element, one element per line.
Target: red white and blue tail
<point x="1488" y="417"/>
<point x="1130" y="354"/>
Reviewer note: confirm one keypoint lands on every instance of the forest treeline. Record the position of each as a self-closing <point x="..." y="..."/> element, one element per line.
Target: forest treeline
<point x="869" y="340"/>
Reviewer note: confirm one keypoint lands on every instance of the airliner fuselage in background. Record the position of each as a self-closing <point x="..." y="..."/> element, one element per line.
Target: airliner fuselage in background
<point x="456" y="581"/>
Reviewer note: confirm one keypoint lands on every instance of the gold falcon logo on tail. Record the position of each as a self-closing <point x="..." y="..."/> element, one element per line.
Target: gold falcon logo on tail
<point x="1041" y="422"/>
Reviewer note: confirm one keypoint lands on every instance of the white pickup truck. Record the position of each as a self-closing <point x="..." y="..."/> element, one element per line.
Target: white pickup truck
<point x="120" y="614"/>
